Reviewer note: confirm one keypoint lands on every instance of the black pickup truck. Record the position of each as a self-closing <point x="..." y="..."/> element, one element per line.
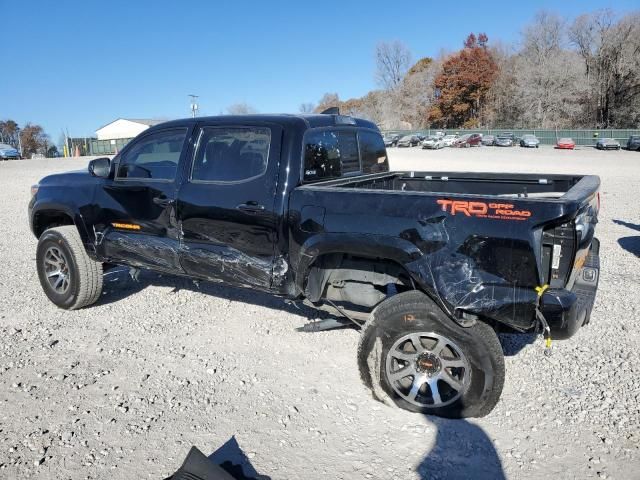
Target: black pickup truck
<point x="429" y="265"/>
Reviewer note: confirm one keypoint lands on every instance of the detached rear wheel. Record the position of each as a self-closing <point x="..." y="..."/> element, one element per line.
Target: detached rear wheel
<point x="413" y="356"/>
<point x="68" y="276"/>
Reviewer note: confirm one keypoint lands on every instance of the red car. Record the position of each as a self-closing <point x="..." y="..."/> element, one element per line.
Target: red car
<point x="468" y="140"/>
<point x="566" y="143"/>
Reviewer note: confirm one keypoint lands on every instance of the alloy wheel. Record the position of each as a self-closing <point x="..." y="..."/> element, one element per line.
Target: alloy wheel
<point x="56" y="267"/>
<point x="427" y="369"/>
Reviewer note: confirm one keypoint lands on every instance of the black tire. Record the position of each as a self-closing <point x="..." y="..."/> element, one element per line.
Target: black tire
<point x="415" y="312"/>
<point x="84" y="285"/>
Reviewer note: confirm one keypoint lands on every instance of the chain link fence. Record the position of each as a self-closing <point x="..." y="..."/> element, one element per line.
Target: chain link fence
<point x="547" y="137"/>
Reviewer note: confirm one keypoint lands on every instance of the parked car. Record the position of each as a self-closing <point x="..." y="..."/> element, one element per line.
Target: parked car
<point x="420" y="136"/>
<point x="634" y="143"/>
<point x="468" y="140"/>
<point x="506" y="139"/>
<point x="433" y="142"/>
<point x="428" y="265"/>
<point x="529" y="141"/>
<point x="566" y="144"/>
<point x="488" y="140"/>
<point x="7" y="152"/>
<point x="449" y="139"/>
<point x="608" y="144"/>
<point x="439" y="134"/>
<point x="408" y="141"/>
<point x="391" y="140"/>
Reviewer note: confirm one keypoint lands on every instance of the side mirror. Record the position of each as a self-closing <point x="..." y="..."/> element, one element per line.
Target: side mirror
<point x="100" y="167"/>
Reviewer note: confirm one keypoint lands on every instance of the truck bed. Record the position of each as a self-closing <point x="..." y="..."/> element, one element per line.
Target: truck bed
<point x="505" y="185"/>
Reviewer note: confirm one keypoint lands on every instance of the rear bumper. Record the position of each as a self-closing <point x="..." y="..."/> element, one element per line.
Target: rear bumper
<point x="568" y="310"/>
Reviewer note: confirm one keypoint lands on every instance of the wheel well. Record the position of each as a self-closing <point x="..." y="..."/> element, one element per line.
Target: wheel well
<point x="49" y="219"/>
<point x="355" y="280"/>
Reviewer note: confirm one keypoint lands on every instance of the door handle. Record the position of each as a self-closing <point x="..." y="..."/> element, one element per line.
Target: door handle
<point x="251" y="206"/>
<point x="163" y="201"/>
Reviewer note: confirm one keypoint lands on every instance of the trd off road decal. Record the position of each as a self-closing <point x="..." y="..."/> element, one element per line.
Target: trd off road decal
<point x="500" y="211"/>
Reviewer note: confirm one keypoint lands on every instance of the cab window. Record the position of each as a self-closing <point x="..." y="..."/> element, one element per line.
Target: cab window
<point x="336" y="153"/>
<point x="231" y="154"/>
<point x="373" y="153"/>
<point x="330" y="154"/>
<point x="154" y="157"/>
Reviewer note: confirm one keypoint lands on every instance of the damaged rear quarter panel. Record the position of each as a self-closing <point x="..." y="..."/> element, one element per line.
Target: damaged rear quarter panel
<point x="485" y="266"/>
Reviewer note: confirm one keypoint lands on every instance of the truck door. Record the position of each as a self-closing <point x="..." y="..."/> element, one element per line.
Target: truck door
<point x="137" y="222"/>
<point x="226" y="204"/>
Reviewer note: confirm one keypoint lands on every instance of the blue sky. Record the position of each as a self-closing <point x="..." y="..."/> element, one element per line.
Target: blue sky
<point x="81" y="64"/>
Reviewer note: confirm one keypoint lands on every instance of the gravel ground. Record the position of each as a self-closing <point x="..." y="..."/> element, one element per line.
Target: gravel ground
<point x="124" y="389"/>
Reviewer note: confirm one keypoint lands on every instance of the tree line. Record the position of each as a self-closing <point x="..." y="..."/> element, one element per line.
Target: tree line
<point x="31" y="138"/>
<point x="579" y="74"/>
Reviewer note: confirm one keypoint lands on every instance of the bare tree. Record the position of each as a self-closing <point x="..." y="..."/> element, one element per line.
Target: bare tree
<point x="307" y="107"/>
<point x="503" y="108"/>
<point x="241" y="109"/>
<point x="393" y="60"/>
<point x="328" y="100"/>
<point x="610" y="50"/>
<point x="416" y="94"/>
<point x="547" y="78"/>
<point x="545" y="35"/>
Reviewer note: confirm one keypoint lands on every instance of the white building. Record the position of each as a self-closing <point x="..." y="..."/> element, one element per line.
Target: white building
<point x="125" y="128"/>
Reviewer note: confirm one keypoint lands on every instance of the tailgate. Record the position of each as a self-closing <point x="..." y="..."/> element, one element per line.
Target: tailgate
<point x="566" y="245"/>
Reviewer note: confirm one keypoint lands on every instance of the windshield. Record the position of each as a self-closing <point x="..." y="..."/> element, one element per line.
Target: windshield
<point x="406" y="137"/>
<point x="464" y="137"/>
<point x="449" y="137"/>
<point x="565" y="140"/>
<point x="528" y="137"/>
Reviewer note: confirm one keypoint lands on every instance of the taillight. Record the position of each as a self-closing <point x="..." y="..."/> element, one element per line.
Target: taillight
<point x="558" y="245"/>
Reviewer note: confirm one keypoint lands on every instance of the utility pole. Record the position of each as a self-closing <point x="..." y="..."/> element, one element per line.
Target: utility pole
<point x="19" y="142"/>
<point x="194" y="105"/>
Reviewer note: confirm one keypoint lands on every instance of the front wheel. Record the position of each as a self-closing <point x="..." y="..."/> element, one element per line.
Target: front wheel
<point x="69" y="277"/>
<point x="413" y="356"/>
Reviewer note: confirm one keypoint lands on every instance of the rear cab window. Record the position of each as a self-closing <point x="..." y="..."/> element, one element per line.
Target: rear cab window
<point x="334" y="153"/>
<point x="231" y="154"/>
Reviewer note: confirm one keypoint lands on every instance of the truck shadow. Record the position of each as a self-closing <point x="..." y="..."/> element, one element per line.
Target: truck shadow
<point x="119" y="285"/>
<point x="630" y="244"/>
<point x="630" y="225"/>
<point x="513" y="343"/>
<point x="462" y="450"/>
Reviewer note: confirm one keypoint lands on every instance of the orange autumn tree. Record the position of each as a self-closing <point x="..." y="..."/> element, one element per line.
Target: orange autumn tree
<point x="463" y="84"/>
